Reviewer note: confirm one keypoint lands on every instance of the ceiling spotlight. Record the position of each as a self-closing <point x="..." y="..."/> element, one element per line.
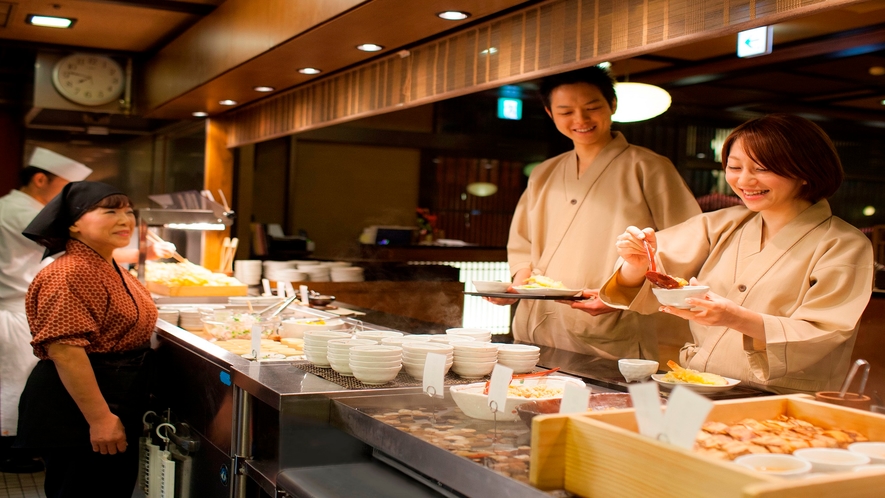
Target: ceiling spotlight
<point x="369" y="47"/>
<point x="877" y="71"/>
<point x="604" y="65"/>
<point x="883" y="102"/>
<point x="488" y="51"/>
<point x="50" y="21"/>
<point x="199" y="114"/>
<point x="264" y="88"/>
<point x="309" y="70"/>
<point x="227" y="102"/>
<point x="453" y="15"/>
<point x="639" y="101"/>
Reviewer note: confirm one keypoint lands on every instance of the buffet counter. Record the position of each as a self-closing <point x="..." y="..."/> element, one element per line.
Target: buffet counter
<point x="271" y="429"/>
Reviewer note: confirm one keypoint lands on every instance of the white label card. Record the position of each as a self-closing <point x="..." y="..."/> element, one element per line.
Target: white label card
<point x="647" y="402"/>
<point x="434" y="374"/>
<point x="265" y="284"/>
<point x="498" y="386"/>
<point x="256" y="341"/>
<point x="281" y="289"/>
<point x="575" y="399"/>
<point x="305" y="297"/>
<point x="290" y="290"/>
<point x="686" y="413"/>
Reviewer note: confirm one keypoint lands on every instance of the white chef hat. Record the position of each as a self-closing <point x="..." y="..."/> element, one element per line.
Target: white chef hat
<point x="58" y="164"/>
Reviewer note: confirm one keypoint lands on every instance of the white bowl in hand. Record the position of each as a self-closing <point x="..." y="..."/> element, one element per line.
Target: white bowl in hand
<point x="637" y="370"/>
<point x="676" y="297"/>
<point x="488" y="286"/>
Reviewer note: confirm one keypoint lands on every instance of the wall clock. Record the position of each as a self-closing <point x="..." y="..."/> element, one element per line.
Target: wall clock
<point x="89" y="79"/>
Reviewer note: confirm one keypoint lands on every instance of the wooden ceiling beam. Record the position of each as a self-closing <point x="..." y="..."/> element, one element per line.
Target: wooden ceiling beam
<point x="185" y="7"/>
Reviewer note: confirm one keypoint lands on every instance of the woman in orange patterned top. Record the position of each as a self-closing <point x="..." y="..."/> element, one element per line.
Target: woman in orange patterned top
<point x="91" y="324"/>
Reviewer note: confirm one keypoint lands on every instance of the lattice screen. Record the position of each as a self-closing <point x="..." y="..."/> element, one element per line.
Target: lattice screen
<point x="542" y="39"/>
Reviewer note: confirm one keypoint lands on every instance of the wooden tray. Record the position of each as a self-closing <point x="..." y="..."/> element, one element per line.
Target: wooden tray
<point x="197" y="291"/>
<point x="601" y="454"/>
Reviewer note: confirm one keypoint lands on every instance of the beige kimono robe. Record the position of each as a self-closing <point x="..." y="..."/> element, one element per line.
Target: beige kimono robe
<point x="565" y="227"/>
<point x="811" y="284"/>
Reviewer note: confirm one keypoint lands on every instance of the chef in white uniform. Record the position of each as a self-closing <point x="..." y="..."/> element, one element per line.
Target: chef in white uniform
<point x="20" y="260"/>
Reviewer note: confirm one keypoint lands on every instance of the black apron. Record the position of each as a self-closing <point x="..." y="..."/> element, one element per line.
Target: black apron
<point x="49" y="417"/>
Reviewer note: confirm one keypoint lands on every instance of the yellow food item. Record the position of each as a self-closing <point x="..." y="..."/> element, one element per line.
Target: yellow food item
<point x="538" y="391"/>
<point x="689" y="376"/>
<point x="185" y="275"/>
<point x="682" y="282"/>
<point x="542" y="282"/>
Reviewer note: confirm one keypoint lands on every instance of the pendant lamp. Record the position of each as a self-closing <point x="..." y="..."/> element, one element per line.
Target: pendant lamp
<point x="481" y="189"/>
<point x="639" y="101"/>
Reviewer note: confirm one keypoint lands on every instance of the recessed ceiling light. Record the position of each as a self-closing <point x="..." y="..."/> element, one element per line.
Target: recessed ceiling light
<point x="227" y="102"/>
<point x="199" y="114"/>
<point x="369" y="47"/>
<point x="309" y="70"/>
<point x="50" y="21"/>
<point x="490" y="50"/>
<point x="264" y="88"/>
<point x="877" y="71"/>
<point x="453" y="15"/>
<point x="883" y="102"/>
<point x="604" y="65"/>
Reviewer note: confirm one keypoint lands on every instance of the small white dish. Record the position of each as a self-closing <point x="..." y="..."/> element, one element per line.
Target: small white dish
<point x="874" y="450"/>
<point x="635" y="370"/>
<point x="488" y="286"/>
<point x="676" y="297"/>
<point x="780" y="465"/>
<point x="698" y="388"/>
<point x="831" y="459"/>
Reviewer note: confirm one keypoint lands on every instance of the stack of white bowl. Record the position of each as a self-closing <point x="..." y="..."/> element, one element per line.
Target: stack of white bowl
<point x="474" y="359"/>
<point x="399" y="341"/>
<point x="316" y="345"/>
<point x="336" y="264"/>
<point x="302" y="264"/>
<point x="316" y="273"/>
<point x="338" y="353"/>
<point x="480" y="335"/>
<point x="376" y="335"/>
<point x="347" y="274"/>
<point x="376" y="365"/>
<point x="248" y="271"/>
<point x="283" y="271"/>
<point x="415" y="355"/>
<point x="522" y="358"/>
<point x="451" y="338"/>
<point x="168" y="314"/>
<point x="190" y="319"/>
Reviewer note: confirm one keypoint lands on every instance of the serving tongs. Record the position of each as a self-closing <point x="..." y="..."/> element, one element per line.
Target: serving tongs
<point x="844" y="398"/>
<point x="660" y="279"/>
<point x="278" y="306"/>
<point x="542" y="373"/>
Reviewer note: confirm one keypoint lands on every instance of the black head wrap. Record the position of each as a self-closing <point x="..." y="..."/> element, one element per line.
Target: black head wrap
<point x="50" y="227"/>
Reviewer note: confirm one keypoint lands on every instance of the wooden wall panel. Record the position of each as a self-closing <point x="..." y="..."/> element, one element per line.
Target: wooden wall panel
<point x="542" y="39"/>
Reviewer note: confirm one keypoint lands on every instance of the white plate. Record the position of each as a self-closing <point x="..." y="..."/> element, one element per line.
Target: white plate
<point x="547" y="292"/>
<point x="698" y="388"/>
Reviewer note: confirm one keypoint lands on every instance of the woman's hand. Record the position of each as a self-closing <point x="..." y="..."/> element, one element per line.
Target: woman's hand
<point x="107" y="435"/>
<point x="715" y="310"/>
<point x="518" y="279"/>
<point x="591" y="303"/>
<point x="631" y="247"/>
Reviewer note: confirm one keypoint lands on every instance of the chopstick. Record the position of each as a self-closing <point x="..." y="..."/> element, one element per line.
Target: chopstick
<point x="157" y="239"/>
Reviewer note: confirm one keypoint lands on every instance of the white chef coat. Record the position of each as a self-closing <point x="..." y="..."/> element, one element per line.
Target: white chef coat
<point x="20" y="261"/>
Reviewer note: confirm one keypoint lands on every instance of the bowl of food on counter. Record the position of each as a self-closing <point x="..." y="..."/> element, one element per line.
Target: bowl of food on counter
<point x="474" y="403"/>
<point x="489" y="286"/>
<point x="597" y="402"/>
<point x="298" y="326"/>
<point x="227" y="325"/>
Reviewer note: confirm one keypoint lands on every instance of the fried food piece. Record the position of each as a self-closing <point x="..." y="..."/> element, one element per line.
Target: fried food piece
<point x="715" y="427"/>
<point x="689" y="376"/>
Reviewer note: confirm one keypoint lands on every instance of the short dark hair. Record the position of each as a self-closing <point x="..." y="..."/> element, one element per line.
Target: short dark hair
<point x="593" y="75"/>
<point x="27" y="174"/>
<point x="791" y="147"/>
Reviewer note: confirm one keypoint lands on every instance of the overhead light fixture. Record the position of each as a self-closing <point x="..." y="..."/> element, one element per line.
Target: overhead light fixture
<point x="877" y="71"/>
<point x="199" y="114"/>
<point x="869" y="211"/>
<point x="50" y="21"/>
<point x="369" y="47"/>
<point x="309" y="70"/>
<point x="227" y="102"/>
<point x="264" y="88"/>
<point x="490" y="50"/>
<point x="604" y="65"/>
<point x="453" y="15"/>
<point x="481" y="189"/>
<point x="883" y="102"/>
<point x="639" y="101"/>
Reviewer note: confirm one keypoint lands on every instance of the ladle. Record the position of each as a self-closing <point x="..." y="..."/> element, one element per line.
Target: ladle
<point x="660" y="279"/>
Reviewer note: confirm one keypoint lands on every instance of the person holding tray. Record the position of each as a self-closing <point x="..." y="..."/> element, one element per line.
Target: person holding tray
<point x="788" y="280"/>
<point x="573" y="204"/>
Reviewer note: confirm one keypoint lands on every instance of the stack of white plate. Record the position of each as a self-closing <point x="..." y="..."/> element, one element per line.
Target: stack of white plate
<point x="338" y="353"/>
<point x="316" y="273"/>
<point x="473" y="359"/>
<point x="347" y="274"/>
<point x="316" y="345"/>
<point x="522" y="358"/>
<point x="376" y="365"/>
<point x="336" y="264"/>
<point x="451" y="338"/>
<point x="190" y="319"/>
<point x="399" y="341"/>
<point x="286" y="275"/>
<point x="248" y="271"/>
<point x="376" y="335"/>
<point x="168" y="314"/>
<point x="480" y="335"/>
<point x="302" y="264"/>
<point x="415" y="355"/>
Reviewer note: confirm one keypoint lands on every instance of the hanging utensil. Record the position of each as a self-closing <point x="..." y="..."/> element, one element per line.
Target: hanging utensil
<point x="660" y="279"/>
<point x="863" y="380"/>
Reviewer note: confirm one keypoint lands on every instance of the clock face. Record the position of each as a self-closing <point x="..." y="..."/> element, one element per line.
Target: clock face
<point x="88" y="79"/>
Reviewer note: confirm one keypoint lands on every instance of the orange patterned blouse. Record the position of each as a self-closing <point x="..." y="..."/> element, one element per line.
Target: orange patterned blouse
<point x="81" y="300"/>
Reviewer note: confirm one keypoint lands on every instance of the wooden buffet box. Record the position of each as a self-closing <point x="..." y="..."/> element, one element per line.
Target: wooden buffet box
<point x="601" y="454"/>
<point x="197" y="290"/>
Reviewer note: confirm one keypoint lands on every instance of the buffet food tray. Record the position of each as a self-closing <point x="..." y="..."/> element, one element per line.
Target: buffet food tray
<point x="601" y="454"/>
<point x="197" y="290"/>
